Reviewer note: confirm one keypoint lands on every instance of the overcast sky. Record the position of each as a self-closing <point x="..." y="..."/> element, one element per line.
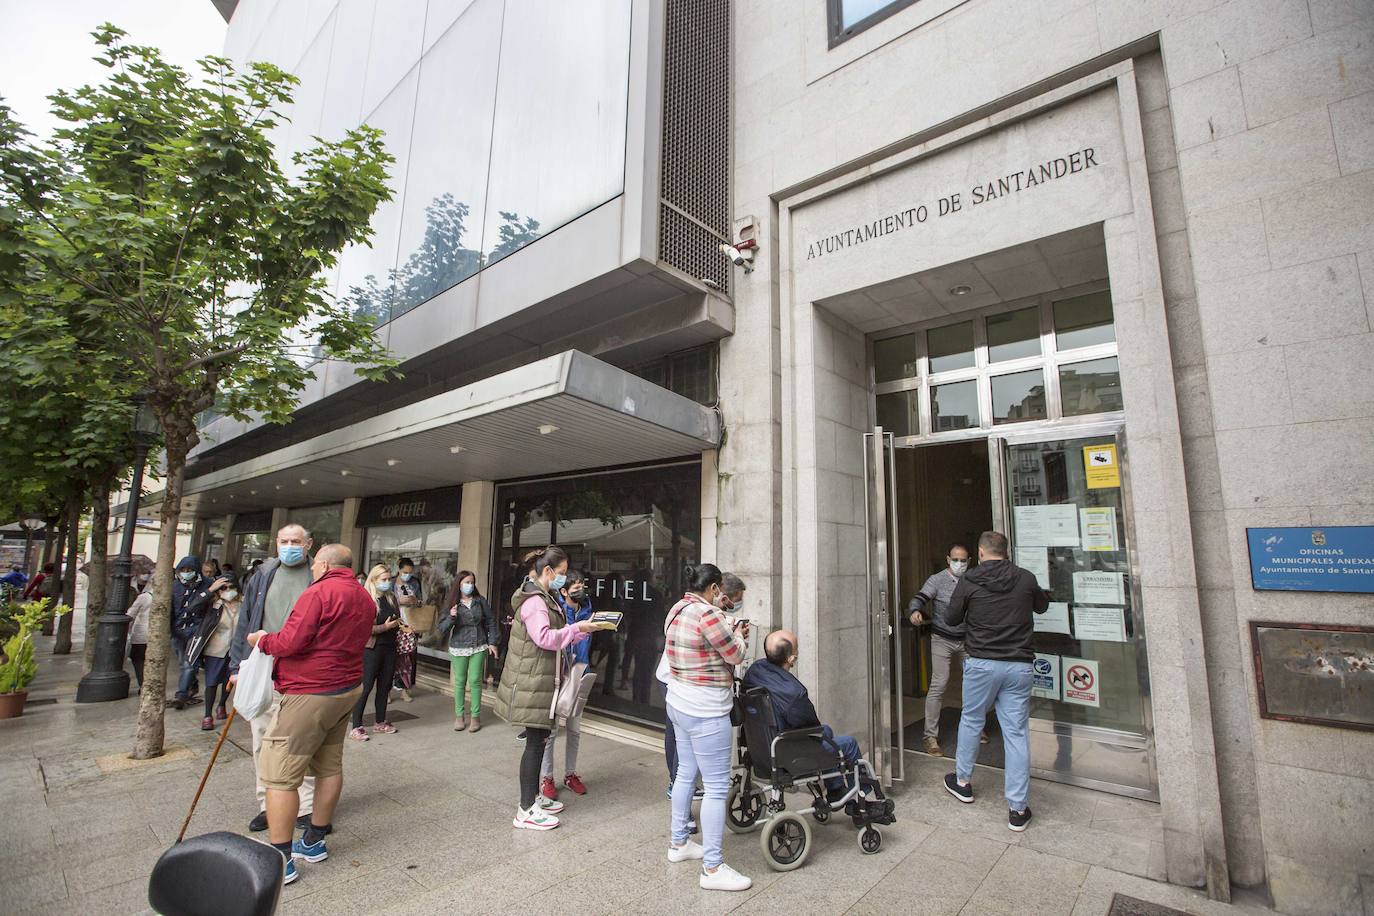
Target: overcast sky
<point x="46" y="45"/>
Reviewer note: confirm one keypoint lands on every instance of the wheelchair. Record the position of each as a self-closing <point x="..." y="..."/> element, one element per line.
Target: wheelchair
<point x="802" y="758"/>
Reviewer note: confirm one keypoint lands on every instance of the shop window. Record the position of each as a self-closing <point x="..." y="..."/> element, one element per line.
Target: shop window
<point x="325" y="523"/>
<point x="897" y="413"/>
<point x="848" y="18"/>
<point x="1014" y="335"/>
<point x="1018" y="397"/>
<point x="433" y="548"/>
<point x="1090" y="387"/>
<point x="631" y="533"/>
<point x="954" y="406"/>
<point x="894" y="358"/>
<point x="1083" y="321"/>
<point x="951" y="347"/>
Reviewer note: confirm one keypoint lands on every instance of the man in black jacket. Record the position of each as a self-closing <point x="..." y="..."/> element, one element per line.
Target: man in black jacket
<point x="191" y="596"/>
<point x="996" y="601"/>
<point x="792" y="707"/>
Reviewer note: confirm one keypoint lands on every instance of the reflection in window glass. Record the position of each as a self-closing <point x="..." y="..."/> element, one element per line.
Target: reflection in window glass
<point x="1018" y="397"/>
<point x="630" y="534"/>
<point x="441" y="230"/>
<point x="1083" y="321"/>
<point x="558" y="148"/>
<point x="897" y="413"/>
<point x="950" y="347"/>
<point x="1090" y="387"/>
<point x="894" y="358"/>
<point x="323" y="522"/>
<point x="1013" y="335"/>
<point x="954" y="406"/>
<point x="367" y="273"/>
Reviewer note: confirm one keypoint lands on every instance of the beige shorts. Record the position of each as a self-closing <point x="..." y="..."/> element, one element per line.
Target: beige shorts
<point x="305" y="737"/>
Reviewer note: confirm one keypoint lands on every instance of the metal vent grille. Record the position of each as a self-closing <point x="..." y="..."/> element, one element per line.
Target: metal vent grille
<point x="694" y="205"/>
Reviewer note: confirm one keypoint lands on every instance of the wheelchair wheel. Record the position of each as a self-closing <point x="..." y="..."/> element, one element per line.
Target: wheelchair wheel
<point x="743" y="806"/>
<point x="786" y="841"/>
<point x="870" y="840"/>
<point x="821" y="816"/>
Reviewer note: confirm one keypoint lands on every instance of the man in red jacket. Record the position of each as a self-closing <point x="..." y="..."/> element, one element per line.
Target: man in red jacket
<point x="319" y="671"/>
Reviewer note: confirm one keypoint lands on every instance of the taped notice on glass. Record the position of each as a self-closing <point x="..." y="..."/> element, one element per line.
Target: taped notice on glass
<point x="1054" y="620"/>
<point x="1045" y="676"/>
<point x="1095" y="587"/>
<point x="1046" y="526"/>
<point x="1080" y="681"/>
<point x="1098" y="527"/>
<point x="1035" y="560"/>
<point x="1104" y="624"/>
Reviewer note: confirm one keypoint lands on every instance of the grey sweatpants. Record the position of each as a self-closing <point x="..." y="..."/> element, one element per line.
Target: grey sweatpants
<point x="943" y="653"/>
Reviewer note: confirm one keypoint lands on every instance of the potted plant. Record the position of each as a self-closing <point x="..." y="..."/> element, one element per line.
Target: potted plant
<point x="17" y="668"/>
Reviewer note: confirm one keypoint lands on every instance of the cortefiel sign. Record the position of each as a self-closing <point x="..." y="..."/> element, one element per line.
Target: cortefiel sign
<point x="1334" y="559"/>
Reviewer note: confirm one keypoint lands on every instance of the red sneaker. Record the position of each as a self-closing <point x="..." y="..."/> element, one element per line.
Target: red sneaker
<point x="548" y="789"/>
<point x="572" y="781"/>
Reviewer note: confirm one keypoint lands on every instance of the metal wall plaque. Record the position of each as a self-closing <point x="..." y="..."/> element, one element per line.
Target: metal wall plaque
<point x="1315" y="673"/>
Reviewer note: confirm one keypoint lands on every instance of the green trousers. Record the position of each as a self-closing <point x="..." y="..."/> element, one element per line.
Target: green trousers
<point x="468" y="671"/>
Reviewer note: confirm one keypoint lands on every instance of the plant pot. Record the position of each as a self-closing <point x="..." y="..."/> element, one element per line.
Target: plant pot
<point x="12" y="704"/>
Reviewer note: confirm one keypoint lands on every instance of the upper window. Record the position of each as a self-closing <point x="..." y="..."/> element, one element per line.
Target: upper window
<point x="850" y="17"/>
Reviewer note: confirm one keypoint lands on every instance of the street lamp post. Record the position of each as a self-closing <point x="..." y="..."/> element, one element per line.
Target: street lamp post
<point x="107" y="679"/>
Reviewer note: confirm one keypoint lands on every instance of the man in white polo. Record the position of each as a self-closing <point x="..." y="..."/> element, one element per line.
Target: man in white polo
<point x="267" y="601"/>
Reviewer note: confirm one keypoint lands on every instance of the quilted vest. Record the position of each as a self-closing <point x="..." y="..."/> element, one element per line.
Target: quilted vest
<point x="525" y="693"/>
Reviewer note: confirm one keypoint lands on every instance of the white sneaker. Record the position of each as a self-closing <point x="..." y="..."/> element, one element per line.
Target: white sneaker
<point x="533" y="819"/>
<point x="724" y="879"/>
<point x="688" y="850"/>
<point x="548" y="805"/>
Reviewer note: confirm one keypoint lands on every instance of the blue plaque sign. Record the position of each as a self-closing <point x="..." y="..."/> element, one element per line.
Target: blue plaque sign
<point x="1336" y="559"/>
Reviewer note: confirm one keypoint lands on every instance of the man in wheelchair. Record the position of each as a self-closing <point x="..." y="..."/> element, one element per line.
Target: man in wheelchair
<point x="792" y="707"/>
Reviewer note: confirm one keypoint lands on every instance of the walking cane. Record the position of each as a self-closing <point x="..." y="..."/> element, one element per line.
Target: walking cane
<point x="223" y="733"/>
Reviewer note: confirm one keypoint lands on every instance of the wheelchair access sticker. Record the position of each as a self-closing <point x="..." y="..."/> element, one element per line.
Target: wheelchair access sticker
<point x="1080" y="681"/>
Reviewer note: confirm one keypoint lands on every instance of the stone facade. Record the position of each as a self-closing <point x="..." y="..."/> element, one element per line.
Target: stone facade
<point x="1236" y="202"/>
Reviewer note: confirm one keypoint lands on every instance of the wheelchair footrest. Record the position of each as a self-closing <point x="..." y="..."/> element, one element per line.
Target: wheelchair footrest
<point x="872" y="811"/>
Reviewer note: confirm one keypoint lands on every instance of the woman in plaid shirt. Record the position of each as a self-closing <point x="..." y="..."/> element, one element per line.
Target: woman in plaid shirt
<point x="702" y="650"/>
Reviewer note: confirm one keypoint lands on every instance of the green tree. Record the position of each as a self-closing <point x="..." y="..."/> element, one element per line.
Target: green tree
<point x="160" y="213"/>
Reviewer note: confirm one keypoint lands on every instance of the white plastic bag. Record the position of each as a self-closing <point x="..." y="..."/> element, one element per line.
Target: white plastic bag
<point x="253" y="695"/>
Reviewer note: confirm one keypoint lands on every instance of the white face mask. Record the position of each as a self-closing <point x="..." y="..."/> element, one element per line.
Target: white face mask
<point x="958" y="567"/>
<point x="229" y="594"/>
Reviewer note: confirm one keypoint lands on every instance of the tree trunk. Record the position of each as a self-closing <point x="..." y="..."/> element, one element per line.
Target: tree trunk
<point x="59" y="551"/>
<point x="63" y="644"/>
<point x="150" y="731"/>
<point x="97" y="578"/>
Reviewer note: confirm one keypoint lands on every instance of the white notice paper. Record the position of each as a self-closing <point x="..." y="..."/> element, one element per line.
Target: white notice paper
<point x="1054" y="620"/>
<point x="1045" y="676"/>
<point x="1105" y="624"/>
<point x="1099" y="588"/>
<point x="1046" y="526"/>
<point x="1098" y="524"/>
<point x="1080" y="681"/>
<point x="1035" y="560"/>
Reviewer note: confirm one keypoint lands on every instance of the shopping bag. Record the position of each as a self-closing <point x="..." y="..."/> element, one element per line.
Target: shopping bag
<point x="253" y="695"/>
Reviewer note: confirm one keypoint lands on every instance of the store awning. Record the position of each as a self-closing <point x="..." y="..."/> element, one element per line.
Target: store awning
<point x="563" y="413"/>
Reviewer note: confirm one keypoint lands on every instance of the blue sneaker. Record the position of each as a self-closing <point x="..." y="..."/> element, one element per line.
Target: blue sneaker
<point x="291" y="873"/>
<point x="315" y="853"/>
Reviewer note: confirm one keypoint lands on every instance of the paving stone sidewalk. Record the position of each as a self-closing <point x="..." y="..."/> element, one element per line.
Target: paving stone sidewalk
<point x="424" y="827"/>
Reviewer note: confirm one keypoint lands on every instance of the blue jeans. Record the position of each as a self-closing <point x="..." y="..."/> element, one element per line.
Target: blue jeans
<point x="188" y="679"/>
<point x="1007" y="687"/>
<point x="703" y="746"/>
<point x="849" y="747"/>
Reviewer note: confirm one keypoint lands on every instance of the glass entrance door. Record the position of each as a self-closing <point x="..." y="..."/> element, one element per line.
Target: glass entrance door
<point x="1065" y="507"/>
<point x="884" y="667"/>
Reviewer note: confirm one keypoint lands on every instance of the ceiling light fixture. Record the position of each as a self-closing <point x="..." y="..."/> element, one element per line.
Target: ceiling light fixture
<point x="345" y="472"/>
<point x="960" y="290"/>
<point x="455" y="449"/>
<point x="547" y="428"/>
<point x="252" y="492"/>
<point x="278" y="486"/>
<point x="304" y="481"/>
<point x="392" y="462"/>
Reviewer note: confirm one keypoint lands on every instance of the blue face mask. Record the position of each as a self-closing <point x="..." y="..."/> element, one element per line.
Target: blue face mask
<point x="467" y="588"/>
<point x="187" y="575"/>
<point x="291" y="554"/>
<point x="384" y="586"/>
<point x="559" y="581"/>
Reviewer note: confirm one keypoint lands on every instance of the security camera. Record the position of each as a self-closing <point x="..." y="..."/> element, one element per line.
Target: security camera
<point x="741" y="254"/>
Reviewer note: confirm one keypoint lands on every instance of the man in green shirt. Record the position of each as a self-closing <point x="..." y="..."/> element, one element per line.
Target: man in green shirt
<point x="268" y="598"/>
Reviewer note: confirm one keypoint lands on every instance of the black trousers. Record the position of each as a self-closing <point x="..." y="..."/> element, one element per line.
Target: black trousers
<point x="379" y="666"/>
<point x="530" y="762"/>
<point x="137" y="652"/>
